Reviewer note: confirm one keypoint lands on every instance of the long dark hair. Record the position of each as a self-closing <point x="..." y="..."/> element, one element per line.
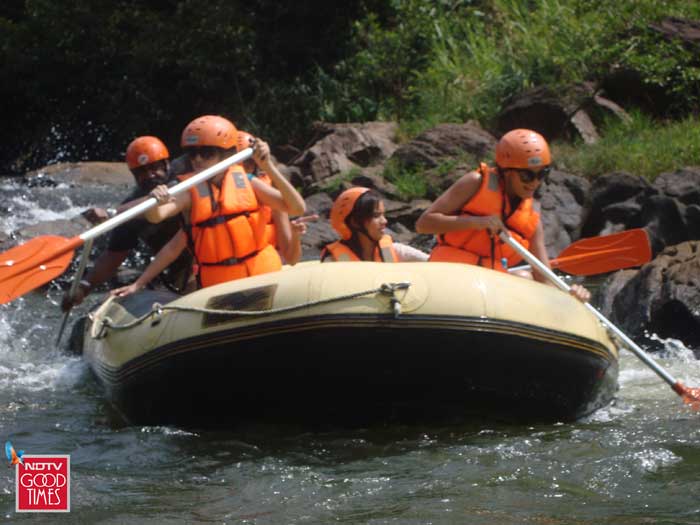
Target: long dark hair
<point x="363" y="210"/>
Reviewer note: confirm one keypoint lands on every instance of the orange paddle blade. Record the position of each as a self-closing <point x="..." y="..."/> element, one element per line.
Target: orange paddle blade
<point x="28" y="266"/>
<point x="690" y="396"/>
<point x="606" y="253"/>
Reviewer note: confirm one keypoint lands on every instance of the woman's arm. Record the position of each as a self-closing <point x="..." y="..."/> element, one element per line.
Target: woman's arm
<point x="538" y="249"/>
<point x="162" y="260"/>
<point x="283" y="196"/>
<point x="407" y="253"/>
<point x="168" y="205"/>
<point x="285" y="240"/>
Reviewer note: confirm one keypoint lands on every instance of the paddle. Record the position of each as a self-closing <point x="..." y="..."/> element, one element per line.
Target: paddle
<point x="74" y="286"/>
<point x="602" y="254"/>
<point x="28" y="266"/>
<point x="690" y="396"/>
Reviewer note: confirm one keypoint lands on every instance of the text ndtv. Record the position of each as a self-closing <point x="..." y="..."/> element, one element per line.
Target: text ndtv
<point x="43" y="484"/>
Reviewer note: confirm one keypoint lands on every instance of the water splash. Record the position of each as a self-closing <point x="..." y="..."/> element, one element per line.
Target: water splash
<point x="27" y="363"/>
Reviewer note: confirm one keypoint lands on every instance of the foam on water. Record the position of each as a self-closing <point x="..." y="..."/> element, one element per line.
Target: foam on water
<point x="26" y="365"/>
<point x="25" y="213"/>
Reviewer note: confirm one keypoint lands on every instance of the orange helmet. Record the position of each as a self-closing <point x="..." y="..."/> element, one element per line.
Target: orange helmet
<point x="145" y="150"/>
<point x="522" y="148"/>
<point x="244" y="141"/>
<point x="210" y="130"/>
<point x="342" y="207"/>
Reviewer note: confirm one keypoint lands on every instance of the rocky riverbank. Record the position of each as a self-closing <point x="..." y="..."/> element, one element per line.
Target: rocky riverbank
<point x="662" y="297"/>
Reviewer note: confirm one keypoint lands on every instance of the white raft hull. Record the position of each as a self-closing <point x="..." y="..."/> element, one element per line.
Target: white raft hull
<point x="458" y="340"/>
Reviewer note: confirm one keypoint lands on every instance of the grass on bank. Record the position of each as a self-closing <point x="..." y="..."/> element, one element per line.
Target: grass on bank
<point x="641" y="147"/>
<point x="483" y="53"/>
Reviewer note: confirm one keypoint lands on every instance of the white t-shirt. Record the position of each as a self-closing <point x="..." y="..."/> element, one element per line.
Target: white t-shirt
<point x="406" y="253"/>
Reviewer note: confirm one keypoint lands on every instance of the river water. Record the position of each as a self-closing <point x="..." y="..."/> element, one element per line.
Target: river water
<point x="635" y="461"/>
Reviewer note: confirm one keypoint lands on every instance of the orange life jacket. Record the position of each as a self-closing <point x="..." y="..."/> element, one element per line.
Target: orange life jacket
<point x="477" y="246"/>
<point x="228" y="230"/>
<point x="339" y="251"/>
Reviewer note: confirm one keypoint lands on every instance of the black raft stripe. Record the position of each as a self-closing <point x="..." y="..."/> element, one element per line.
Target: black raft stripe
<point x="120" y="374"/>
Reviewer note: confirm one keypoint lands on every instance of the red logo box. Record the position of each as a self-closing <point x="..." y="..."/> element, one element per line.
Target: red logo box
<point x="42" y="484"/>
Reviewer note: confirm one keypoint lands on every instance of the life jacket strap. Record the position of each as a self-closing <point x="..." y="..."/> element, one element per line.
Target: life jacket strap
<point x="214" y="221"/>
<point x="231" y="261"/>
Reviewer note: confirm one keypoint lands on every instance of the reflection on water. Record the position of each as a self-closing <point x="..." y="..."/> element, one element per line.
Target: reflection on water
<point x="635" y="461"/>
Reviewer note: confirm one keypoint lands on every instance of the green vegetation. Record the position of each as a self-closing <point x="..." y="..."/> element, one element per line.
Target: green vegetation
<point x="410" y="183"/>
<point x="474" y="55"/>
<point x="99" y="73"/>
<point x="333" y="184"/>
<point x="642" y="147"/>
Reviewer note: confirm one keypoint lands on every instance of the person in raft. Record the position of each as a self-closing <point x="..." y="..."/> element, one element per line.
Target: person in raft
<point x="225" y="216"/>
<point x="284" y="234"/>
<point x="469" y="215"/>
<point x="358" y="217"/>
<point x="147" y="159"/>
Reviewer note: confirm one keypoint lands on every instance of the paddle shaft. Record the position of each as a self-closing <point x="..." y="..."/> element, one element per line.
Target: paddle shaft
<point x="84" y="257"/>
<point x="29" y="265"/>
<point x="545" y="271"/>
<point x="178" y="188"/>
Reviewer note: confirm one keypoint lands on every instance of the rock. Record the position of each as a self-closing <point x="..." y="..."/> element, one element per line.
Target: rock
<point x="107" y="173"/>
<point x="668" y="208"/>
<point x="627" y="87"/>
<point x="439" y="180"/>
<point x="604" y="204"/>
<point x="673" y="28"/>
<point x="605" y="294"/>
<point x="446" y="142"/>
<point x="405" y="213"/>
<point x="318" y="234"/>
<point x="376" y="182"/>
<point x="345" y="148"/>
<point x="682" y="184"/>
<point x="292" y="174"/>
<point x="664" y="220"/>
<point x="663" y="297"/>
<point x="562" y="114"/>
<point x="562" y="198"/>
<point x="320" y="204"/>
<point x="285" y="153"/>
<point x="60" y="227"/>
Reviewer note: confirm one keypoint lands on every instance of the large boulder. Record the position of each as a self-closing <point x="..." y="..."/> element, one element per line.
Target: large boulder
<point x="668" y="209"/>
<point x="446" y="142"/>
<point x="615" y="203"/>
<point x="562" y="199"/>
<point x="674" y="28"/>
<point x="558" y="114"/>
<point x="105" y="173"/>
<point x="344" y="149"/>
<point x="663" y="297"/>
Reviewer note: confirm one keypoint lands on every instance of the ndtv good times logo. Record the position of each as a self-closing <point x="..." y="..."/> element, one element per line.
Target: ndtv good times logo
<point x="42" y="482"/>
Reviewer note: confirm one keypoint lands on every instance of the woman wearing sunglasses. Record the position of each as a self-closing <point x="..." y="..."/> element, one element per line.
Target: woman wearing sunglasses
<point x="469" y="215"/>
<point x="226" y="216"/>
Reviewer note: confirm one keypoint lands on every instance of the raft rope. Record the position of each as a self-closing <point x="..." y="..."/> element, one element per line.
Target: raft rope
<point x="157" y="309"/>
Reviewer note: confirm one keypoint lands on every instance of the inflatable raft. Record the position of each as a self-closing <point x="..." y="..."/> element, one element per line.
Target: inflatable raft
<point x="350" y="343"/>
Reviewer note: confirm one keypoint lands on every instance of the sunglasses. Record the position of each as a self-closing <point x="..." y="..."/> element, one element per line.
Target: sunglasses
<point x="206" y="152"/>
<point x="527" y="176"/>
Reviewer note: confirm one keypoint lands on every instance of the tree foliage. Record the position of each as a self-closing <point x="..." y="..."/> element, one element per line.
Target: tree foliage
<point x="81" y="78"/>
